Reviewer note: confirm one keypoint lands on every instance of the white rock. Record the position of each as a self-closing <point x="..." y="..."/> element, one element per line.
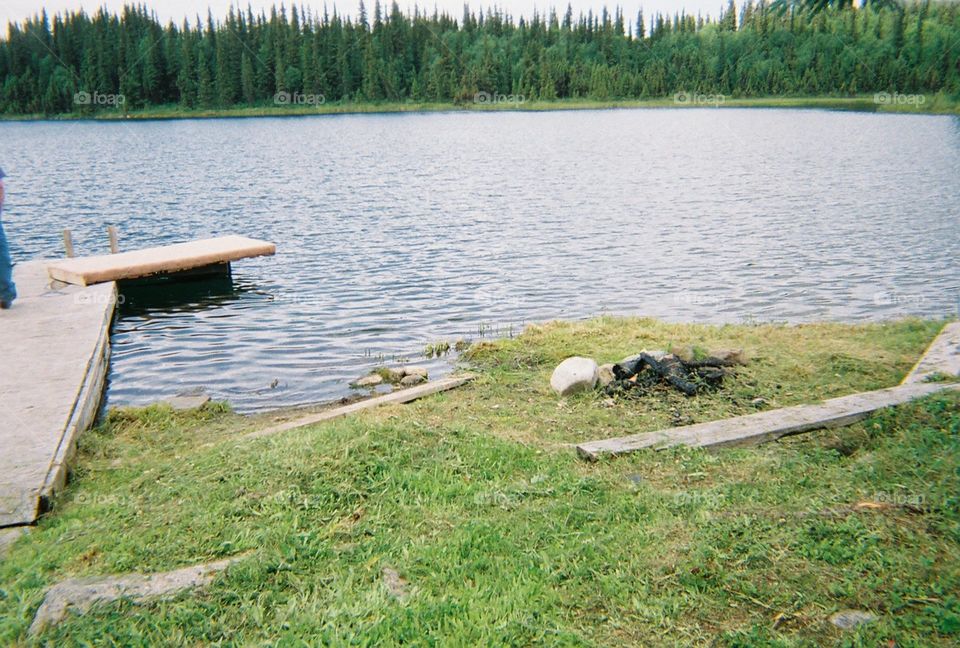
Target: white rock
<point x="574" y="375"/>
<point x="605" y="374"/>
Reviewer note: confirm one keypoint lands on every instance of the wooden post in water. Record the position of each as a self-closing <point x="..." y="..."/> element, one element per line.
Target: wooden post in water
<point x="112" y="233"/>
<point x="68" y="243"/>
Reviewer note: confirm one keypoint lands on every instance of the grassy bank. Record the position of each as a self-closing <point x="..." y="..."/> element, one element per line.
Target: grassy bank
<point x="504" y="536"/>
<point x="932" y="104"/>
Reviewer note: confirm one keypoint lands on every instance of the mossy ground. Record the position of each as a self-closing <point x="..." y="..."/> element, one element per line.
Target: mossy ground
<point x="504" y="536"/>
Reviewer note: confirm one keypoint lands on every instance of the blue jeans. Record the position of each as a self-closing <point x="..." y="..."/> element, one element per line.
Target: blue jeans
<point x="8" y="291"/>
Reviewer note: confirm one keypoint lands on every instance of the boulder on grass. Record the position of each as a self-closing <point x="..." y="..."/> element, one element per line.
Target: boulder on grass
<point x="605" y="374"/>
<point x="412" y="379"/>
<point x="574" y="375"/>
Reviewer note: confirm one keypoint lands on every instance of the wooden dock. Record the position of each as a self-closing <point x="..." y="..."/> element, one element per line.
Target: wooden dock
<point x="181" y="257"/>
<point x="55" y="344"/>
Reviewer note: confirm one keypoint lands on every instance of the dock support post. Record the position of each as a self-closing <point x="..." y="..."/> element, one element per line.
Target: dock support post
<point x="112" y="233"/>
<point x="68" y="243"/>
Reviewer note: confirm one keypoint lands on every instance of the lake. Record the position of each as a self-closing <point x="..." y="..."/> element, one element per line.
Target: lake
<point x="395" y="231"/>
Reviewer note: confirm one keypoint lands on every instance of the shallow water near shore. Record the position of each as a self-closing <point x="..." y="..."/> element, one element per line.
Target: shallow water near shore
<point x="396" y="231"/>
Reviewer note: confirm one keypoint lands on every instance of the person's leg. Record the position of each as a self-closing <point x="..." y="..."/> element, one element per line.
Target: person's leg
<point x="8" y="292"/>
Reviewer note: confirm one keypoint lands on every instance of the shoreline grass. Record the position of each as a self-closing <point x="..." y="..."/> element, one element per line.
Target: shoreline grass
<point x="506" y="538"/>
<point x="934" y="104"/>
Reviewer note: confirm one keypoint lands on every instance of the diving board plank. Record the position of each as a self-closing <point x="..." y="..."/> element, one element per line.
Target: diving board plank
<point x="84" y="271"/>
<point x="55" y="343"/>
<point x="765" y="426"/>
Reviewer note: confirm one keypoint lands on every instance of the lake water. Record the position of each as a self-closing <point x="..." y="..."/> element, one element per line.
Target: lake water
<point x="394" y="231"/>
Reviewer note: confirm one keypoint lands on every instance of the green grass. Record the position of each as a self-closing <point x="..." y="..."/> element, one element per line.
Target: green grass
<point x="504" y="536"/>
<point x="933" y="104"/>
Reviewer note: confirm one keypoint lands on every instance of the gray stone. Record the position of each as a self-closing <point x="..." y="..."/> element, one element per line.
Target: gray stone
<point x="850" y="619"/>
<point x="574" y="375"/>
<point x="79" y="594"/>
<point x="369" y="381"/>
<point x="183" y="402"/>
<point x="412" y="379"/>
<point x="605" y="374"/>
<point x="415" y="371"/>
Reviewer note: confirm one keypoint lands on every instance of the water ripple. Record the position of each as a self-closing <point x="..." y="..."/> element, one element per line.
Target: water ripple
<point x="395" y="231"/>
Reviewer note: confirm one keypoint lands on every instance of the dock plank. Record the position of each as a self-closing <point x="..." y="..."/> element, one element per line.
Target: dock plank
<point x="85" y="271"/>
<point x="55" y="345"/>
<point x="765" y="426"/>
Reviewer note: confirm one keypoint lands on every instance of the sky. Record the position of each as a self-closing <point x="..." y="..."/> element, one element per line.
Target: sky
<point x="18" y="10"/>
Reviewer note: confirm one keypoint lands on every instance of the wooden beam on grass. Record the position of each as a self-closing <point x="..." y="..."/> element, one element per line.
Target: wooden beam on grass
<point x="765" y="426"/>
<point x="399" y="396"/>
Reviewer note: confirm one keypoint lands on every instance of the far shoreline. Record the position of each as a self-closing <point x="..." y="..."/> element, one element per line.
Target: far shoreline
<point x="932" y="105"/>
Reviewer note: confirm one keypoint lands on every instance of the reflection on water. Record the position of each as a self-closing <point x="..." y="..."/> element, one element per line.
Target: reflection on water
<point x="396" y="231"/>
<point x="177" y="294"/>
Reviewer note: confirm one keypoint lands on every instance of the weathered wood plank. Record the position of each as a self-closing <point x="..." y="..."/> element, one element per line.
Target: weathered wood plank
<point x="765" y="426"/>
<point x="400" y="396"/>
<point x="942" y="356"/>
<point x="84" y="271"/>
<point x="55" y="344"/>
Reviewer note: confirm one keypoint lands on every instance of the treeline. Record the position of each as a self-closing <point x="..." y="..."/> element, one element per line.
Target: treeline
<point x="255" y="59"/>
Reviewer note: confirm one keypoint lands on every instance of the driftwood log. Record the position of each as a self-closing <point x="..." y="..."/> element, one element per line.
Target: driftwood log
<point x="689" y="378"/>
